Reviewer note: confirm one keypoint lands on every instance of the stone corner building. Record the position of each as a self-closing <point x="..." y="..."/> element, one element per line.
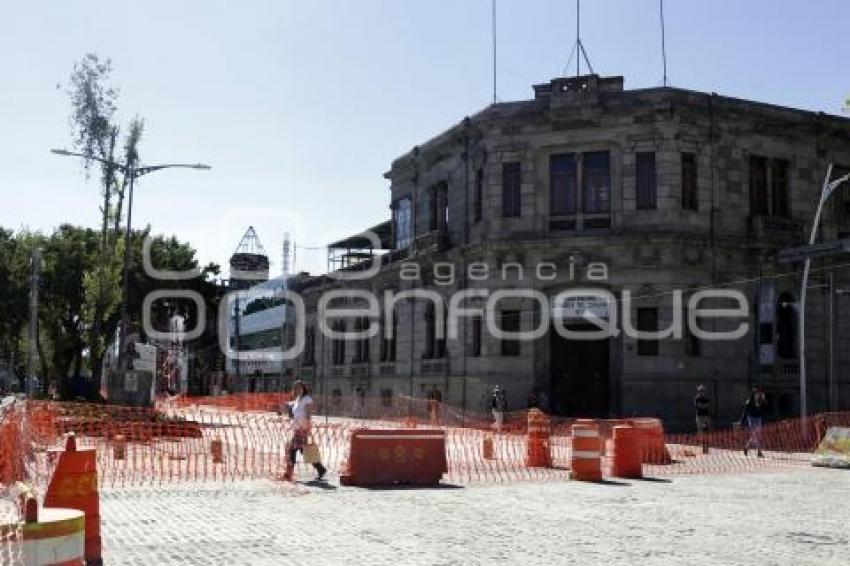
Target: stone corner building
<point x="668" y="188"/>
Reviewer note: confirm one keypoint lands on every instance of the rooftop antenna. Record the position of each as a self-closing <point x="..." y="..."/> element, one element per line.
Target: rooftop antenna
<point x="578" y="34"/>
<point x="663" y="47"/>
<point x="578" y="50"/>
<point x="493" y="3"/>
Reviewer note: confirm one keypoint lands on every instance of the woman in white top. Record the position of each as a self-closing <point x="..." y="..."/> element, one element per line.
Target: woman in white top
<point x="300" y="411"/>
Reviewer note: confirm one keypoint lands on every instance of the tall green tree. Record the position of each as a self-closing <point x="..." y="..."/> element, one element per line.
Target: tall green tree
<point x="14" y="269"/>
<point x="69" y="254"/>
<point x="95" y="134"/>
<point x="72" y="261"/>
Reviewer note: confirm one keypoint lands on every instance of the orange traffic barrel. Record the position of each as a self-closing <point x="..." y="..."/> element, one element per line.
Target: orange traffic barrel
<point x="538" y="454"/>
<point x="627" y="452"/>
<point x="74" y="486"/>
<point x="585" y="455"/>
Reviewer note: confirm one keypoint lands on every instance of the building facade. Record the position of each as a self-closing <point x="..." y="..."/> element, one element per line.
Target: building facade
<point x="642" y="193"/>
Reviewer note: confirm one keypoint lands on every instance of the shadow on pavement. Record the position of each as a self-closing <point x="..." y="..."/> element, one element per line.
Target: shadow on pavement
<point x="612" y="482"/>
<point x="654" y="480"/>
<point x="402" y="486"/>
<point x="321" y="484"/>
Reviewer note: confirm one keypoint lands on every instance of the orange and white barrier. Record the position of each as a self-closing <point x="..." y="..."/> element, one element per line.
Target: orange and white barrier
<point x="586" y="455"/>
<point x="74" y="486"/>
<point x="390" y="457"/>
<point x="51" y="537"/>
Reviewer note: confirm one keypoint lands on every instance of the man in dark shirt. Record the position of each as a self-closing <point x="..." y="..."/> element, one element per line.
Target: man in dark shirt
<point x="499" y="406"/>
<point x="754" y="412"/>
<point x="703" y="416"/>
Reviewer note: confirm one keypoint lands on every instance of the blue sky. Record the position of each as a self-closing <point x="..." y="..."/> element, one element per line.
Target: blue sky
<point x="300" y="107"/>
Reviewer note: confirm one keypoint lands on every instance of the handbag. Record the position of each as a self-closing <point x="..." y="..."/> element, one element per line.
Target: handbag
<point x="311" y="453"/>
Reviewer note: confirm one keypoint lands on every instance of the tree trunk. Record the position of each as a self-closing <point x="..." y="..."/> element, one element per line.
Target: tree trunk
<point x="117" y="228"/>
<point x="42" y="360"/>
<point x="78" y="361"/>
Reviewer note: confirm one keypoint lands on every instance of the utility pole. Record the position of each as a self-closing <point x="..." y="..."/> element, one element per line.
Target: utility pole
<point x="237" y="315"/>
<point x="35" y="276"/>
<point x="833" y="406"/>
<point x="806" y="253"/>
<point x="124" y="322"/>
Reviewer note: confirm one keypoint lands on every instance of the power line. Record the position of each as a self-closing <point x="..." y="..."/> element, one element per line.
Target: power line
<point x="727" y="284"/>
<point x="730" y="283"/>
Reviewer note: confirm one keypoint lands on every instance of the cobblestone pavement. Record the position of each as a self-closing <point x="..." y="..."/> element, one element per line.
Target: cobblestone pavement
<point x="792" y="517"/>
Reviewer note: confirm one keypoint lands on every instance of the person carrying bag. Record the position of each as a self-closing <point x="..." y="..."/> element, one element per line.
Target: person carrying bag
<point x="300" y="409"/>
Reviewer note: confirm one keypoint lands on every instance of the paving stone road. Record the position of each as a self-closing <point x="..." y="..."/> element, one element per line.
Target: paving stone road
<point x="794" y="517"/>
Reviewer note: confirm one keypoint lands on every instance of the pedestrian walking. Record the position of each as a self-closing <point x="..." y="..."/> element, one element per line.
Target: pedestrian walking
<point x="300" y="410"/>
<point x="499" y="406"/>
<point x="703" y="416"/>
<point x="752" y="416"/>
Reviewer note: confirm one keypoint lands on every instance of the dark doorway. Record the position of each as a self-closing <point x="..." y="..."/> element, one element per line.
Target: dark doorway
<point x="579" y="374"/>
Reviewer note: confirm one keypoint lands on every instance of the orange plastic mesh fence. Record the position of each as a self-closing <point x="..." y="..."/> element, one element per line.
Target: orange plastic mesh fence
<point x="11" y="455"/>
<point x="246" y="436"/>
<point x="270" y="401"/>
<point x="25" y="437"/>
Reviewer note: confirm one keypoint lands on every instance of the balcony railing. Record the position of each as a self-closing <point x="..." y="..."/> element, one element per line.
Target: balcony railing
<point x="760" y="226"/>
<point x="435" y="367"/>
<point x="430" y="242"/>
<point x="359" y="370"/>
<point x="580" y="221"/>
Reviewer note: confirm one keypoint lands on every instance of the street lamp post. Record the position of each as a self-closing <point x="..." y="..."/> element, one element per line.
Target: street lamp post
<point x="826" y="192"/>
<point x="131" y="170"/>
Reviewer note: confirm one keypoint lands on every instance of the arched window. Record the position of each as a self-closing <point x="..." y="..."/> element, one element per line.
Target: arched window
<point x="786" y="326"/>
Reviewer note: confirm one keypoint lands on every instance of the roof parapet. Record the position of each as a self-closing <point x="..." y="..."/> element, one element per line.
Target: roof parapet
<point x="572" y="90"/>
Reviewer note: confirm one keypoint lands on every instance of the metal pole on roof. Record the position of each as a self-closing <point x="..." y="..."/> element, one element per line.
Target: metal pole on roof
<point x="663" y="46"/>
<point x="578" y="37"/>
<point x="494" y="49"/>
